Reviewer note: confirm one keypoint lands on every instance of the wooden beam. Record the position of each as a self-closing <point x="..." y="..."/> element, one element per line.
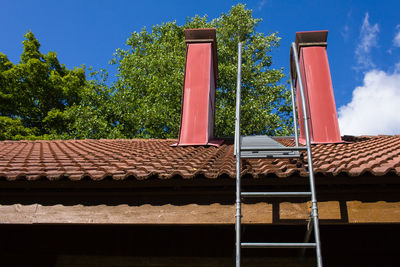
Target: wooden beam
<point x="335" y="212"/>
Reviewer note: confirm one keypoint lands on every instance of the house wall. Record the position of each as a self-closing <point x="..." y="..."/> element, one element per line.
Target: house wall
<point x="202" y="245"/>
<point x="191" y="223"/>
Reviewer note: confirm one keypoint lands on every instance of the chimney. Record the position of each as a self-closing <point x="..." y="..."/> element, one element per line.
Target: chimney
<point x="198" y="99"/>
<point x="317" y="84"/>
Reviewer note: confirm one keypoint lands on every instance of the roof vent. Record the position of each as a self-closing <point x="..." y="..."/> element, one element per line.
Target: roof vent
<point x="198" y="100"/>
<point x="316" y="76"/>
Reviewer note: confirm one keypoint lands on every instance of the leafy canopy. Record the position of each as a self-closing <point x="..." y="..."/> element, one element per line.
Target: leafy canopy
<point x="35" y="93"/>
<point x="41" y="98"/>
<point x="151" y="71"/>
<point x="98" y="114"/>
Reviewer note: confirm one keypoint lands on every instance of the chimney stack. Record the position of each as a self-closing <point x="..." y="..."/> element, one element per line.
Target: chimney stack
<point x="317" y="84"/>
<point x="198" y="100"/>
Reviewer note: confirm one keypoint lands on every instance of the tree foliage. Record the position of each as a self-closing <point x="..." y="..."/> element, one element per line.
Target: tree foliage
<point x="41" y="98"/>
<point x="12" y="129"/>
<point x="151" y="74"/>
<point x="35" y="93"/>
<point x="98" y="114"/>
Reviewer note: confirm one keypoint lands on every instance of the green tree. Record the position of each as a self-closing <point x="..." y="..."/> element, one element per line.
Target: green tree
<point x="12" y="129"/>
<point x="36" y="92"/>
<point x="41" y="98"/>
<point x="98" y="114"/>
<point x="6" y="89"/>
<point x="151" y="70"/>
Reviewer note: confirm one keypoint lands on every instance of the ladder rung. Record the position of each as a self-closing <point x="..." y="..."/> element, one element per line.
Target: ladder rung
<point x="289" y="148"/>
<point x="275" y="194"/>
<point x="261" y="155"/>
<point x="278" y="245"/>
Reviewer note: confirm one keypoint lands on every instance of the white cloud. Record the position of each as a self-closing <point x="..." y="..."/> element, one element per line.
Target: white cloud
<point x="368" y="40"/>
<point x="397" y="67"/>
<point x="396" y="40"/>
<point x="346" y="29"/>
<point x="261" y="4"/>
<point x="345" y="32"/>
<point x="375" y="106"/>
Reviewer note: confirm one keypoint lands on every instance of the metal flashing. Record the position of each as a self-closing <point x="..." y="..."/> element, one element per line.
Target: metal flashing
<point x="317" y="83"/>
<point x="198" y="97"/>
<point x="207" y="35"/>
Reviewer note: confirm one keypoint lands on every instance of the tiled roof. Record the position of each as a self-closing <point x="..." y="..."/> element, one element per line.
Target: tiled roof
<point x="141" y="159"/>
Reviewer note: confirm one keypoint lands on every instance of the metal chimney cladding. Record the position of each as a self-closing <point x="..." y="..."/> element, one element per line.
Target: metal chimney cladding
<point x="317" y="83"/>
<point x="198" y="96"/>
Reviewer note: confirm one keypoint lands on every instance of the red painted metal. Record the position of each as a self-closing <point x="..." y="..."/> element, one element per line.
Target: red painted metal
<point x="198" y="101"/>
<point x="314" y="67"/>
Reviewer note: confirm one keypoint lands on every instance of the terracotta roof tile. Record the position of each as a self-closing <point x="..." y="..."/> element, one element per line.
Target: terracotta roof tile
<point x="141" y="159"/>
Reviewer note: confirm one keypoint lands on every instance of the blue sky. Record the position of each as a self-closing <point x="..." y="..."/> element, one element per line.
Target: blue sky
<point x="363" y="42"/>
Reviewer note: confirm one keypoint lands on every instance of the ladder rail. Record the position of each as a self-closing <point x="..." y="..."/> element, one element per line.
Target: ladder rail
<point x="237" y="153"/>
<point x="314" y="207"/>
<point x="296" y="135"/>
<point x="306" y="237"/>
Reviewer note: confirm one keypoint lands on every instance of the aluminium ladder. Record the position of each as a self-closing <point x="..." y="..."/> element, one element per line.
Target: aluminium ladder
<point x="266" y="147"/>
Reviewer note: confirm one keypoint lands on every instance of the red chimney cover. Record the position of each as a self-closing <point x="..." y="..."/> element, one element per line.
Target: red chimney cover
<point x="198" y="100"/>
<point x="316" y="76"/>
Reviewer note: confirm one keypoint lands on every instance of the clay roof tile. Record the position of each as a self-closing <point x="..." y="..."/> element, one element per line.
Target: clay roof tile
<point x="139" y="158"/>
